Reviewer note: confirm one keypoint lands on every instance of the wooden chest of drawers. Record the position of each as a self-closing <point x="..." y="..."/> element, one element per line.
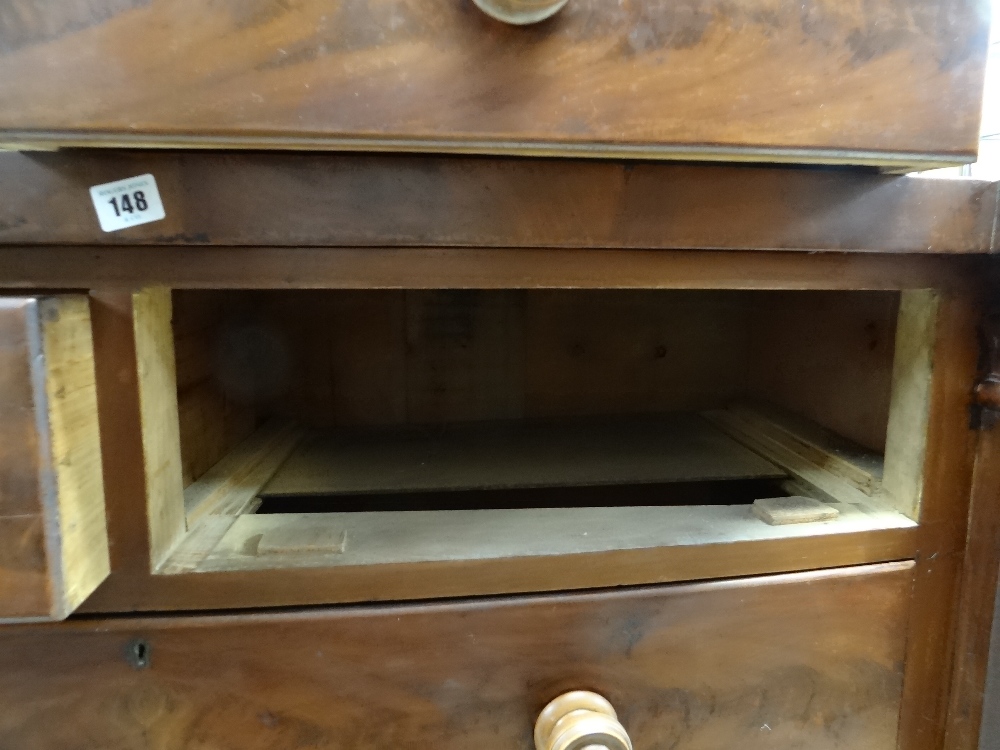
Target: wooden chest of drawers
<point x="395" y="450"/>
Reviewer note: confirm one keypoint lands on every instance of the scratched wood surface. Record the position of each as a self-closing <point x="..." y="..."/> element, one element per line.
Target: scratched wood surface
<point x="803" y="660"/>
<point x="25" y="586"/>
<point x="887" y="81"/>
<point x="337" y="200"/>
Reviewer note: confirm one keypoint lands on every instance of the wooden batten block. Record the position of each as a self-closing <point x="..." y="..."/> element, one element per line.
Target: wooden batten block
<point x="778" y="511"/>
<point x="302" y="536"/>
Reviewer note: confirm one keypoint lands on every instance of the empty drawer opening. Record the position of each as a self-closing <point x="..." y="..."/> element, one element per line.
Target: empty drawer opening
<point x="384" y="415"/>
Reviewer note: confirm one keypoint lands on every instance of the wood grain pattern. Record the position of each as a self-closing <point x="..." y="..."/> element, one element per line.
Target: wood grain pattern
<point x="838" y="456"/>
<point x="75" y="451"/>
<point x="887" y="83"/>
<point x="227" y="585"/>
<point x="808" y="660"/>
<point x="464" y="355"/>
<point x="488" y="551"/>
<point x="119" y="419"/>
<point x="231" y="486"/>
<point x="161" y="446"/>
<point x="807" y="468"/>
<point x="947" y="477"/>
<point x="211" y="421"/>
<point x="350" y="358"/>
<point x="418" y="357"/>
<point x="836" y="355"/>
<point x="969" y="708"/>
<point x="909" y="409"/>
<point x="53" y="535"/>
<point x="298" y="200"/>
<point x="613" y="352"/>
<point x="58" y="267"/>
<point x="794" y="509"/>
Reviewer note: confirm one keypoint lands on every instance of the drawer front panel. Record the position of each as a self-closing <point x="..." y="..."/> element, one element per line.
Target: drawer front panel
<point x="803" y="660"/>
<point x="53" y="536"/>
<point x="827" y="81"/>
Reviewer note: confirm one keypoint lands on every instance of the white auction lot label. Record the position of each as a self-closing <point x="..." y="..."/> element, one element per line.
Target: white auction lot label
<point x="127" y="203"/>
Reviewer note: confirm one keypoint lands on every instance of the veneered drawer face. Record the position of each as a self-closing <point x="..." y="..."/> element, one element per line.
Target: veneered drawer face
<point x="820" y="81"/>
<point x="53" y="536"/>
<point x="802" y="660"/>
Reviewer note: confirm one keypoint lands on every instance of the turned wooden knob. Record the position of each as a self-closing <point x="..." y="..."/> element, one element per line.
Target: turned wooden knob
<point x="580" y="720"/>
<point x="520" y="12"/>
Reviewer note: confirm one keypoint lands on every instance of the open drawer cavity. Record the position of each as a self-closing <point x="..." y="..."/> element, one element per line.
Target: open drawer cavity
<point x="456" y="439"/>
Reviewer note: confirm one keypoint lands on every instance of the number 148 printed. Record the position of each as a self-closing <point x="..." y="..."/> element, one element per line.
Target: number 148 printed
<point x="127" y="203"/>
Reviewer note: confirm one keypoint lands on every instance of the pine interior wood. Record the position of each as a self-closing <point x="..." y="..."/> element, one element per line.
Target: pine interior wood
<point x="211" y="422"/>
<point x="53" y="531"/>
<point x="812" y="659"/>
<point x="859" y="466"/>
<point x="161" y="444"/>
<point x="909" y="412"/>
<point x="506" y="455"/>
<point x="233" y="484"/>
<point x="800" y="331"/>
<point x="71" y="397"/>
<point x="778" y="511"/>
<point x="387" y="357"/>
<point x="889" y="84"/>
<point x="500" y="539"/>
<point x="808" y="466"/>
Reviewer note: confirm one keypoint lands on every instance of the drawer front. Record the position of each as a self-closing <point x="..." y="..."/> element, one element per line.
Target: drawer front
<point x="802" y="660"/>
<point x="821" y="81"/>
<point x="53" y="536"/>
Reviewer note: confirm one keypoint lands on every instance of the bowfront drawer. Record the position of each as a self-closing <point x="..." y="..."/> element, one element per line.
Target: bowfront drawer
<point x="53" y="537"/>
<point x="883" y="82"/>
<point x="801" y="660"/>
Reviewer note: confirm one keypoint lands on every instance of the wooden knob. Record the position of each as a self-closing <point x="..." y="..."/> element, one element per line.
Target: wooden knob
<point x="580" y="720"/>
<point x="520" y="12"/>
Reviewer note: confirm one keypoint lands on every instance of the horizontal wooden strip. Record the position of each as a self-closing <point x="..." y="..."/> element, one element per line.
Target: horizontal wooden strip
<point x="889" y="160"/>
<point x="306" y="585"/>
<point x="471" y="268"/>
<point x="461" y="536"/>
<point x="327" y="199"/>
<point x="776" y="446"/>
<point x="807" y="440"/>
